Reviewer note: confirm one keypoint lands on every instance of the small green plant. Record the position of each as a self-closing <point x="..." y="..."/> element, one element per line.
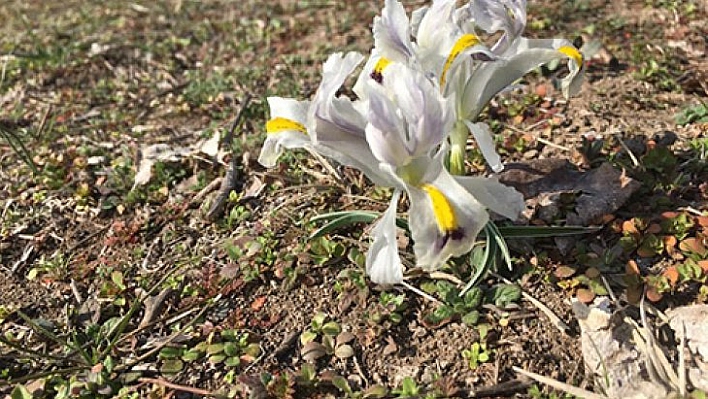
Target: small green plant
<point x="692" y="114"/>
<point x="228" y="348"/>
<point x="537" y="393"/>
<point x="476" y="354"/>
<point x="390" y="308"/>
<point x="373" y="392"/>
<point x="324" y="249"/>
<point x="325" y="338"/>
<point x="453" y="306"/>
<point x="408" y="389"/>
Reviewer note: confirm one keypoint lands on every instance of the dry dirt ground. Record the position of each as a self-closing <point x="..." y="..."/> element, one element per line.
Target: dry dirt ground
<point x="110" y="290"/>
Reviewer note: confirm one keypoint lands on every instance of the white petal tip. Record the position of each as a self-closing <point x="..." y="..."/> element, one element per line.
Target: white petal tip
<point x="497" y="167"/>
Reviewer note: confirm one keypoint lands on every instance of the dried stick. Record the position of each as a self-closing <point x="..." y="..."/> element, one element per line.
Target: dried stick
<point x="230" y="180"/>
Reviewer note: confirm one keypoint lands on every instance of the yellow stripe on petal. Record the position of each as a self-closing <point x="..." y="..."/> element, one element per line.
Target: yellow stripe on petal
<point x="278" y="125"/>
<point x="573" y="53"/>
<point x="377" y="73"/>
<point x="444" y="214"/>
<point x="463" y="43"/>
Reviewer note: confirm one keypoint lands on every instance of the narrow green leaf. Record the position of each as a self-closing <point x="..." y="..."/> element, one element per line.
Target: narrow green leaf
<point x="336" y="220"/>
<point x="20" y="392"/>
<point x="543" y="231"/>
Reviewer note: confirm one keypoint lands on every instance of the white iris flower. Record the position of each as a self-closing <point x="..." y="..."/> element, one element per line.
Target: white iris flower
<point x="408" y="124"/>
<point x="515" y="56"/>
<point x="330" y="125"/>
<point x="447" y="48"/>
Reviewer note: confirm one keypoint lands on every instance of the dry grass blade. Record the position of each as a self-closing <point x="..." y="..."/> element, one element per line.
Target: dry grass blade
<point x="573" y="390"/>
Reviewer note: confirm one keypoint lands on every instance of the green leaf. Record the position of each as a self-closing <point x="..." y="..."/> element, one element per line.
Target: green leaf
<point x="543" y="231"/>
<point x="308" y="372"/>
<point x="215" y="348"/>
<point x="409" y="388"/>
<point x="442" y="313"/>
<point x="230" y="349"/>
<point x="504" y="294"/>
<point x="473" y="298"/>
<point x="344" y="351"/>
<point x="342" y="384"/>
<point x="109" y="364"/>
<point x="336" y="220"/>
<point x="253" y="350"/>
<point x="232" y="361"/>
<point x="170" y="352"/>
<point x="331" y="328"/>
<point x="501" y="243"/>
<point x="172" y="366"/>
<point x="318" y="321"/>
<point x="20" y="392"/>
<point x="117" y="278"/>
<point x="341" y="219"/>
<point x="307" y="337"/>
<point x="471" y="318"/>
<point x="214" y="359"/>
<point x="192" y="355"/>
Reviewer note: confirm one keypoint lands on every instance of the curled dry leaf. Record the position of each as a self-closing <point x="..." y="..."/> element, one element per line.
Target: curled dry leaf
<point x="258" y="303"/>
<point x="629" y="228"/>
<point x="704" y="265"/>
<point x="632" y="268"/>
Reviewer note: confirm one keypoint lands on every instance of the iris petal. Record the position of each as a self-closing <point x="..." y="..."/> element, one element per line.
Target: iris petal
<point x="444" y="220"/>
<point x="285" y="130"/>
<point x="383" y="264"/>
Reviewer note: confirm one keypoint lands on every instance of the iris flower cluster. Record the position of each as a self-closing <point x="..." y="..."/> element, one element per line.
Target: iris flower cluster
<point x="418" y="98"/>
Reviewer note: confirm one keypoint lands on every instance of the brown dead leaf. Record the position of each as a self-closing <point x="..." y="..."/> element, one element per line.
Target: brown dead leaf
<point x="598" y="192"/>
<point x="702" y="221"/>
<point x="653" y="295"/>
<point x="704" y="265"/>
<point x="258" y="303"/>
<point x="632" y="268"/>
<point x="670" y="244"/>
<point x="607" y="218"/>
<point x="693" y="245"/>
<point x="629" y="228"/>
<point x="584" y="295"/>
<point x="634" y="294"/>
<point x="669" y="215"/>
<point x="313" y="351"/>
<point x="564" y="272"/>
<point x="592" y="272"/>
<point x="671" y="273"/>
<point x="654" y="228"/>
<point x="390" y="347"/>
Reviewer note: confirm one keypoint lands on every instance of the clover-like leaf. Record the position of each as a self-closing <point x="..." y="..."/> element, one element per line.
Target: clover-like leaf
<point x="307" y="337"/>
<point x="344" y="351"/>
<point x="331" y="328"/>
<point x="313" y="351"/>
